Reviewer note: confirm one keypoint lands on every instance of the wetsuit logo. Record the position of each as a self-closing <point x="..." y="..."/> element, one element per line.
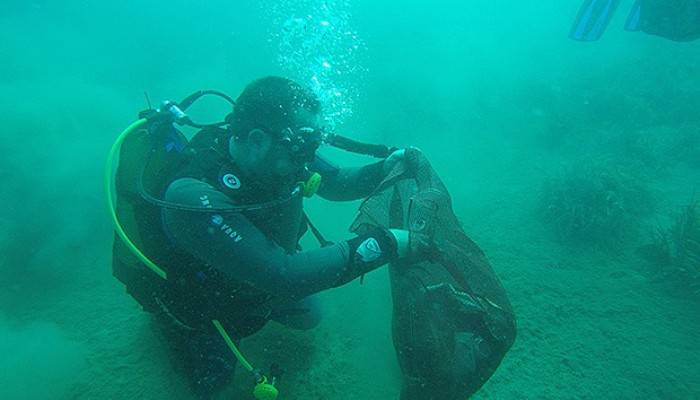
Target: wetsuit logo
<point x="205" y="201"/>
<point x="231" y="181"/>
<point x="218" y="221"/>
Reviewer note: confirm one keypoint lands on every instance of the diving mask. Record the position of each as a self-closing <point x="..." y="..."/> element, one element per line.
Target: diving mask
<point x="303" y="142"/>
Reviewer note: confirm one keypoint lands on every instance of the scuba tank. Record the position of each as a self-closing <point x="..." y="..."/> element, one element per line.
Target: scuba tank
<point x="148" y="157"/>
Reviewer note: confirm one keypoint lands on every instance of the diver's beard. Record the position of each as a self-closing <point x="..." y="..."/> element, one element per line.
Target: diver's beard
<point x="292" y="177"/>
<point x="273" y="183"/>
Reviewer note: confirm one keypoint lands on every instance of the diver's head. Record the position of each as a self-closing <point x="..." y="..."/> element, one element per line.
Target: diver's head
<point x="275" y="128"/>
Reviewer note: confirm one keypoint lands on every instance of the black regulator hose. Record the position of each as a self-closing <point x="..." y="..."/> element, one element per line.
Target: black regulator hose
<point x="353" y="146"/>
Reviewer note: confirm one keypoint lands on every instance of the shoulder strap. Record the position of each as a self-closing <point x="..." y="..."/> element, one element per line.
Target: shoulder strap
<point x="317" y="234"/>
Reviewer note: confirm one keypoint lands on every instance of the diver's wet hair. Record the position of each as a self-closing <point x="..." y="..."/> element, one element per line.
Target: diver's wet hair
<point x="270" y="103"/>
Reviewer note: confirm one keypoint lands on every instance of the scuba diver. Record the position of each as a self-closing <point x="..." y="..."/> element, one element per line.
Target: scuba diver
<point x="218" y="218"/>
<point x="677" y="20"/>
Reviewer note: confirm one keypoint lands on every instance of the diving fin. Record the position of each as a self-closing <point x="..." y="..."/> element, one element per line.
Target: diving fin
<point x="592" y="20"/>
<point x="633" y="23"/>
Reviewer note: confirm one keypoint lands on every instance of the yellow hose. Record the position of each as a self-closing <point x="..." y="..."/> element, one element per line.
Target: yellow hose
<point x="109" y="176"/>
<point x="232" y="346"/>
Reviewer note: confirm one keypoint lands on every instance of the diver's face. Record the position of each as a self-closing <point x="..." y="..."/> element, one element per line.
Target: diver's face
<point x="288" y="155"/>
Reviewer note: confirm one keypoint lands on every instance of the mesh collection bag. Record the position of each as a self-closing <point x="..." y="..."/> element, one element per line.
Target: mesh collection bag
<point x="452" y="322"/>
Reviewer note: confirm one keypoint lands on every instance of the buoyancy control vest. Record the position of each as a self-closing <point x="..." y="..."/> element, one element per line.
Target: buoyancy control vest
<point x="283" y="222"/>
<point x="194" y="292"/>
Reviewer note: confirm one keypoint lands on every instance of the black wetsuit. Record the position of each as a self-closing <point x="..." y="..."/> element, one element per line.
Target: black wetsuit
<point x="258" y="247"/>
<point x="254" y="254"/>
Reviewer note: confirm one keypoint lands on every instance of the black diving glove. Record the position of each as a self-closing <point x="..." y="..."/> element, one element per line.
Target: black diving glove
<point x="396" y="157"/>
<point x="380" y="246"/>
<point x="374" y="248"/>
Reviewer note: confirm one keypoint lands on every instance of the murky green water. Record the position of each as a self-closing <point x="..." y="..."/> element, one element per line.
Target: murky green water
<point x="565" y="160"/>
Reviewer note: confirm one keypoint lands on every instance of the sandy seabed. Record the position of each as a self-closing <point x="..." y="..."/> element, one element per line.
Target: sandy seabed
<point x="591" y="325"/>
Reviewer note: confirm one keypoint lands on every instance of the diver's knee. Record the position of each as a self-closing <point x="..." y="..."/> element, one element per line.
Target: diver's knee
<point x="304" y="315"/>
<point x="306" y="321"/>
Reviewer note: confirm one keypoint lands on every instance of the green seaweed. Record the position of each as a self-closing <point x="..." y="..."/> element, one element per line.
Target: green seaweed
<point x="675" y="253"/>
<point x="595" y="203"/>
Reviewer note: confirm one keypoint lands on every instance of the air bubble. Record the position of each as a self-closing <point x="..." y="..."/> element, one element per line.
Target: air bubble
<point x="308" y="44"/>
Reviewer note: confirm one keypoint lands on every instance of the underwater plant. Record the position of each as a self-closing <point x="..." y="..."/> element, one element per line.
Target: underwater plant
<point x="595" y="203"/>
<point x="675" y="253"/>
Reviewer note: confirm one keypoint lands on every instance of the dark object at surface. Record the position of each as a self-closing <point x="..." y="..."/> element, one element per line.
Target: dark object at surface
<point x="677" y="20"/>
<point x="452" y="322"/>
<point x="634" y="18"/>
<point x="592" y="19"/>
